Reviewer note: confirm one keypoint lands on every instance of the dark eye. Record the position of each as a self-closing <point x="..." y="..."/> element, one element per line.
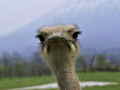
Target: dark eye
<point x="75" y="34"/>
<point x="41" y="38"/>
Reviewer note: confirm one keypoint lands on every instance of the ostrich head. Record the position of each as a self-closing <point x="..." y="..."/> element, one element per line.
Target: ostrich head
<point x="59" y="46"/>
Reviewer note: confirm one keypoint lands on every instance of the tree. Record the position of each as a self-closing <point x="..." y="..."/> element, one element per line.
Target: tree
<point x="101" y="62"/>
<point x="81" y="64"/>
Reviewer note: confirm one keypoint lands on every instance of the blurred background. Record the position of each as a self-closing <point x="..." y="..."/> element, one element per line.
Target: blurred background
<point x="99" y="20"/>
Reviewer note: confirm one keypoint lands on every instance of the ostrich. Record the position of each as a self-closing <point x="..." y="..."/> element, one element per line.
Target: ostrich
<point x="59" y="47"/>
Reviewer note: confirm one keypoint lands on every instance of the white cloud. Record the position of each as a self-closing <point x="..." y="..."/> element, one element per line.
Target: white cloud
<point x="89" y="5"/>
<point x="16" y="13"/>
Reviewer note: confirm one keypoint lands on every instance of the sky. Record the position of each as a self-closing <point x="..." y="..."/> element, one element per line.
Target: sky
<point x="98" y="19"/>
<point x="16" y="13"/>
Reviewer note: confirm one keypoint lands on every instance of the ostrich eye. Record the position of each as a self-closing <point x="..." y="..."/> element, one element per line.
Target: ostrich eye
<point x="41" y="38"/>
<point x="75" y="34"/>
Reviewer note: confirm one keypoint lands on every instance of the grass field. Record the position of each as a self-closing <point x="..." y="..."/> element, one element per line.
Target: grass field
<point x="8" y="83"/>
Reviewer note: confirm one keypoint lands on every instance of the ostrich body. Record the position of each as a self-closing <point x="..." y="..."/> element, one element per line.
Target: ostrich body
<point x="60" y="49"/>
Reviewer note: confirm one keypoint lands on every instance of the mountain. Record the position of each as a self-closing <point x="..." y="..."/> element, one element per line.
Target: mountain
<point x="21" y="41"/>
<point x="99" y="21"/>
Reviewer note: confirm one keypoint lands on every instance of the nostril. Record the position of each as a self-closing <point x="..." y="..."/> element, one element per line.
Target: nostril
<point x="56" y="39"/>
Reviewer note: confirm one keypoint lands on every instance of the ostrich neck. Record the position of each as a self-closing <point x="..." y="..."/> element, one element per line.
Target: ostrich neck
<point x="64" y="68"/>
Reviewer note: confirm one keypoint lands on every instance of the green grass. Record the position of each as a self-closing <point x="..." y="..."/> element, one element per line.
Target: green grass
<point x="115" y="87"/>
<point x="100" y="76"/>
<point x="7" y="83"/>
